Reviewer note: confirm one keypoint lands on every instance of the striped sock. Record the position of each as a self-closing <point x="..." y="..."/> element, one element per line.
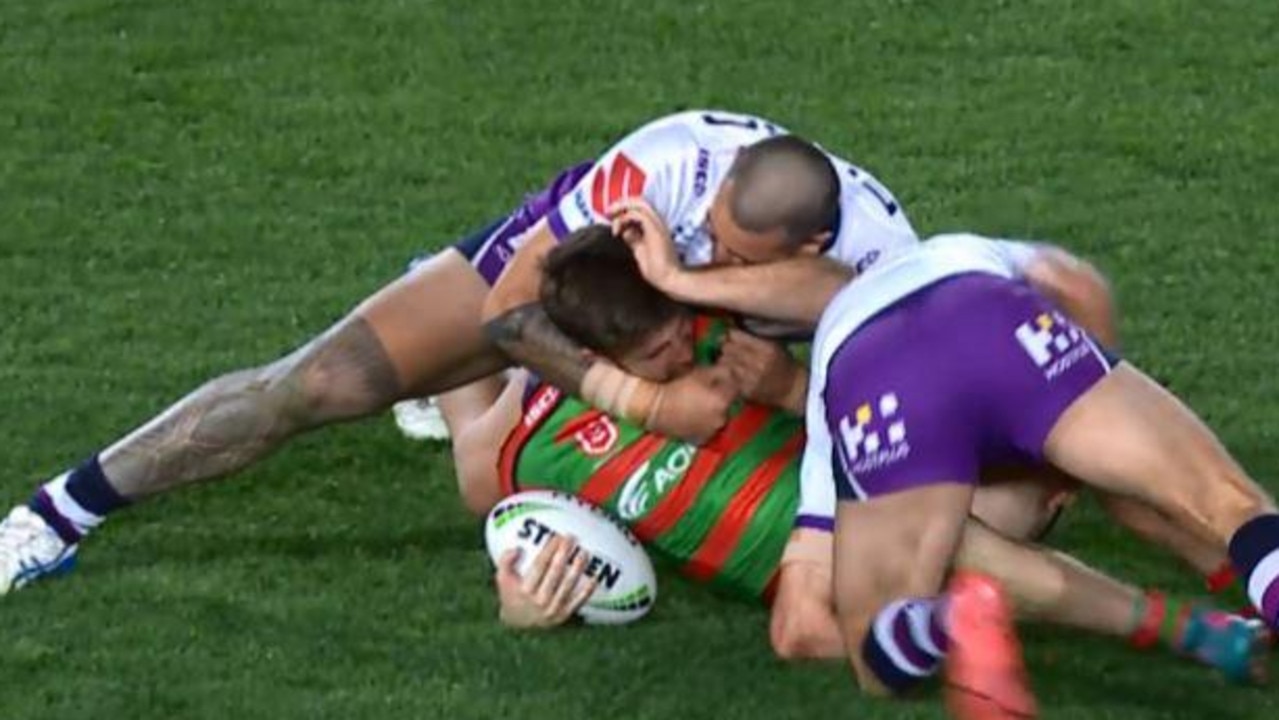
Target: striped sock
<point x="1158" y="618"/>
<point x="76" y="502"/>
<point x="1254" y="549"/>
<point x="906" y="643"/>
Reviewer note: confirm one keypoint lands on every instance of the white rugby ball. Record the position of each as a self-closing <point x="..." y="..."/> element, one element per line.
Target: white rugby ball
<point x="527" y="520"/>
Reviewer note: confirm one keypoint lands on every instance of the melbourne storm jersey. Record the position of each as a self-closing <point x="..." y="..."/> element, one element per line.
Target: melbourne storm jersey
<point x="677" y="164"/>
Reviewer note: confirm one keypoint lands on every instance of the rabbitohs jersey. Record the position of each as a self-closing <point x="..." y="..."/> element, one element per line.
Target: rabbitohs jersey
<point x="677" y="164"/>
<point x="722" y="511"/>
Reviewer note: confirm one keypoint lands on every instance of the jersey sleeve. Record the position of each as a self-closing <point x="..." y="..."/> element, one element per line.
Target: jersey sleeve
<point x="1017" y="255"/>
<point x="647" y="163"/>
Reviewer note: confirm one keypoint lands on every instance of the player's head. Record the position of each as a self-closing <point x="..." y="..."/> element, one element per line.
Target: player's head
<point x="593" y="290"/>
<point x="781" y="198"/>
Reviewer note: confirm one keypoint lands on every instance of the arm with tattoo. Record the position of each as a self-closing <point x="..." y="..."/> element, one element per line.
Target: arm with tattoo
<point x="529" y="338"/>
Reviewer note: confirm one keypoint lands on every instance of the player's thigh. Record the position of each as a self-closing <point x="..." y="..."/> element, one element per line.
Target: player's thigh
<point x="428" y="322"/>
<point x="1022" y="502"/>
<point x="1130" y="436"/>
<point x="477" y="449"/>
<point x="893" y="546"/>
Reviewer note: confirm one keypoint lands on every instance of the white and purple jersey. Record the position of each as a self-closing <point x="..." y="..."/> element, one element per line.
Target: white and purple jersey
<point x="932" y="365"/>
<point x="677" y="164"/>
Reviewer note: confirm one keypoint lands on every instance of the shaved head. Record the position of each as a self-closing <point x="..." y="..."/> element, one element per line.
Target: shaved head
<point x="784" y="183"/>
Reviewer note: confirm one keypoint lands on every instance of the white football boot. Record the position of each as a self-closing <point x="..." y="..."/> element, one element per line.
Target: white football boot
<point x="30" y="549"/>
<point x="420" y="419"/>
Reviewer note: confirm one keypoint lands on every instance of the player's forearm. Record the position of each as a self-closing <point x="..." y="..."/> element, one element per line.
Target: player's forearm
<point x="527" y="335"/>
<point x="794" y="290"/>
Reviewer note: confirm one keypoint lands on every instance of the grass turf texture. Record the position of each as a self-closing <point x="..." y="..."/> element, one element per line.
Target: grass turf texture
<point x="188" y="188"/>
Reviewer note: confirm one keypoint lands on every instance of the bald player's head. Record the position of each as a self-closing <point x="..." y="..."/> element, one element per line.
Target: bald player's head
<point x="785" y="185"/>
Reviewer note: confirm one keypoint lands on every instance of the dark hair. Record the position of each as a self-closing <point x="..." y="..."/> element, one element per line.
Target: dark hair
<point x="784" y="182"/>
<point x="593" y="291"/>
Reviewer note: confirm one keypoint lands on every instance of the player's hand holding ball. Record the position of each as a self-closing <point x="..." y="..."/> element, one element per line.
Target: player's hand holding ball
<point x="553" y="589"/>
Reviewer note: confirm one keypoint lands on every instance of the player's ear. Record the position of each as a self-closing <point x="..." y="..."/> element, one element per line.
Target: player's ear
<point x="814" y="244"/>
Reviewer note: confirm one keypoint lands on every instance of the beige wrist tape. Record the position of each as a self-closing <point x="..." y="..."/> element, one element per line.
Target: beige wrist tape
<point x="616" y="392"/>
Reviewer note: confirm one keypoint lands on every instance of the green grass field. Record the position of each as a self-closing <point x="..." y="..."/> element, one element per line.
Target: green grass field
<point x="187" y="187"/>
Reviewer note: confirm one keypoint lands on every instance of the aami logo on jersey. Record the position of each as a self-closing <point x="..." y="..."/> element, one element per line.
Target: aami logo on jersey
<point x="873" y="436"/>
<point x="1053" y="343"/>
<point x="622" y="179"/>
<point x="643" y="489"/>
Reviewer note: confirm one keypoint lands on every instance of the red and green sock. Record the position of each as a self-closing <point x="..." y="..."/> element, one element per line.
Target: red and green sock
<point x="1158" y="619"/>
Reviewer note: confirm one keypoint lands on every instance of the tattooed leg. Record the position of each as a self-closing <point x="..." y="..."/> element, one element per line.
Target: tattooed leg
<point x="418" y="335"/>
<point x="241" y="417"/>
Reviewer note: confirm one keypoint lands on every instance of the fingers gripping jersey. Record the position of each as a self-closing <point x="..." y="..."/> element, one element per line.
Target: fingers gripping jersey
<point x="723" y="511"/>
<point x="677" y="164"/>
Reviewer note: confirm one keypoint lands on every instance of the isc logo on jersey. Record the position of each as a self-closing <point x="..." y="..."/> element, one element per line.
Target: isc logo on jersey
<point x="643" y="489"/>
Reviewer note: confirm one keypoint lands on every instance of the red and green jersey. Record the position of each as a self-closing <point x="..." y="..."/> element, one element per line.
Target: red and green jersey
<point x="723" y="511"/>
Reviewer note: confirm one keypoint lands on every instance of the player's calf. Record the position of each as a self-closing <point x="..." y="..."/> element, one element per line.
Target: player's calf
<point x="1130" y="436"/>
<point x="226" y="424"/>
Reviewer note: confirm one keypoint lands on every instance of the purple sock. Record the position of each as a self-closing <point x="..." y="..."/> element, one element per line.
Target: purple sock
<point x="906" y="643"/>
<point x="76" y="502"/>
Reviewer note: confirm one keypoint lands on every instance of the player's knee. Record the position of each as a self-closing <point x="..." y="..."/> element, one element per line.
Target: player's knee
<point x="1241" y="502"/>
